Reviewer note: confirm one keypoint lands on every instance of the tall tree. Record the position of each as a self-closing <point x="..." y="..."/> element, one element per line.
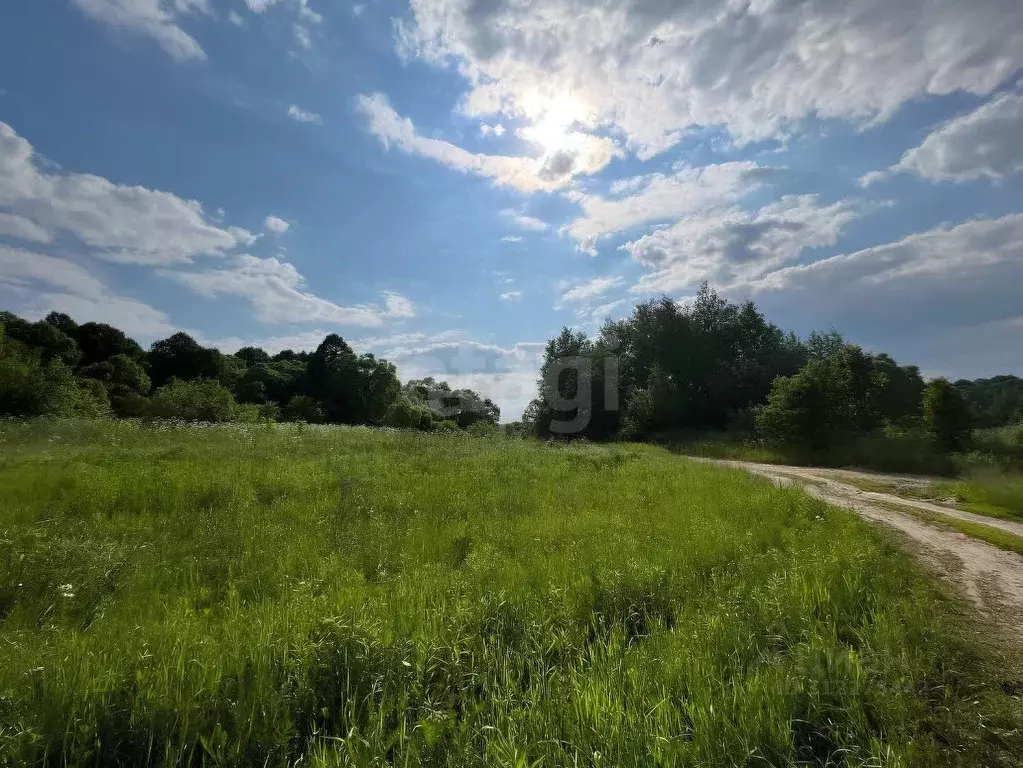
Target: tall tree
<point x="99" y="342"/>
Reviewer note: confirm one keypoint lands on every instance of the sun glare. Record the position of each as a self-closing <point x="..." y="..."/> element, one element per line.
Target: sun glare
<point x="552" y="125"/>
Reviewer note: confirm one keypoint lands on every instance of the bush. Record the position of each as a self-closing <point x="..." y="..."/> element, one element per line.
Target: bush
<point x="203" y="400"/>
<point x="482" y="429"/>
<point x="405" y="414"/>
<point x="303" y="408"/>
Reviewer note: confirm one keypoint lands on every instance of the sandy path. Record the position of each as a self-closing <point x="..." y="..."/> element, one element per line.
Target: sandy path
<point x="990" y="577"/>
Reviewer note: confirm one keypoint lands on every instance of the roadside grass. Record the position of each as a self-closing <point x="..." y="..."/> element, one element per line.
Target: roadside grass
<point x="991" y="494"/>
<point x="906" y="454"/>
<point x="274" y="595"/>
<point x="996" y="536"/>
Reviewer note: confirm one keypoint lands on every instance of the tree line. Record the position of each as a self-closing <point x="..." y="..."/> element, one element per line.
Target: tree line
<point x="56" y="367"/>
<point x="715" y="365"/>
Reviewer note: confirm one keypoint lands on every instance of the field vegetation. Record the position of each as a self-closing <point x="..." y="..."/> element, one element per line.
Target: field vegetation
<point x="295" y="594"/>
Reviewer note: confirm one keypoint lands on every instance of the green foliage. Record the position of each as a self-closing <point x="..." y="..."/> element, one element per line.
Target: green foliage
<point x="405" y="414"/>
<point x="253" y="595"/>
<point x="31" y="387"/>
<point x="125" y="381"/>
<point x="482" y="428"/>
<point x="202" y="400"/>
<point x="100" y="342"/>
<point x="841" y="395"/>
<point x="463" y="406"/>
<point x="675" y="367"/>
<point x="303" y="408"/>
<point x="947" y="417"/>
<point x="182" y="357"/>
<point x="995" y="402"/>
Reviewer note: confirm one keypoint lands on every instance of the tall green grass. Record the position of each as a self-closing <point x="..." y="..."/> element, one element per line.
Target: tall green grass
<point x="254" y="595"/>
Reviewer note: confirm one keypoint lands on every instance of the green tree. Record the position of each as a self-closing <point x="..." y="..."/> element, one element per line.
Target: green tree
<point x="182" y="357"/>
<point x="99" y="342"/>
<point x="947" y="416"/>
<point x="62" y="323"/>
<point x="830" y="400"/>
<point x="31" y="387"/>
<point x="125" y="381"/>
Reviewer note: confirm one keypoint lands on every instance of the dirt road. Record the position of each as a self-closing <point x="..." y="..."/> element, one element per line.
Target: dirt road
<point x="990" y="577"/>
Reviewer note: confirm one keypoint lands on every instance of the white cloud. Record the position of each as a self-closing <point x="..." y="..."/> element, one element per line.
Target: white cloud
<point x="73" y="289"/>
<point x="511" y="239"/>
<point x="20" y="267"/>
<point x="155" y="19"/>
<point x="235" y="18"/>
<point x="522" y="221"/>
<point x="276" y="291"/>
<point x="550" y="171"/>
<point x="661" y="198"/>
<point x="588" y="290"/>
<point x="948" y="254"/>
<point x="21" y="228"/>
<point x="358" y="9"/>
<point x="603" y="310"/>
<point x="276" y="225"/>
<point x="736" y="245"/>
<point x="120" y="223"/>
<point x="300" y="115"/>
<point x="986" y="142"/>
<point x="301" y="33"/>
<point x="653" y="68"/>
<point x="491" y="130"/>
<point x="945" y="298"/>
<point x="397" y="306"/>
<point x="511" y="296"/>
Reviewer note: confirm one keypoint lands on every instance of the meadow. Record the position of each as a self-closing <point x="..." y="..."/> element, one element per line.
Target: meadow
<point x="287" y="594"/>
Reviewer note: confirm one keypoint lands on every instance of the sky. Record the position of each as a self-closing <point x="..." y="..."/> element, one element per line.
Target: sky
<point x="448" y="183"/>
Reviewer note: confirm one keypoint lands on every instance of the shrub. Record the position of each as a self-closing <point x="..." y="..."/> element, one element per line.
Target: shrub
<point x="482" y="429"/>
<point x="404" y="414"/>
<point x="204" y="400"/>
<point x="303" y="408"/>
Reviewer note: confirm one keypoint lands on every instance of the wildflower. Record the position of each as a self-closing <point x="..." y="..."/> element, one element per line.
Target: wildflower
<point x="65" y="590"/>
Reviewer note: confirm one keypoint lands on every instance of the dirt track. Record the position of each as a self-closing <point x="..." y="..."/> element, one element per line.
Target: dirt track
<point x="990" y="577"/>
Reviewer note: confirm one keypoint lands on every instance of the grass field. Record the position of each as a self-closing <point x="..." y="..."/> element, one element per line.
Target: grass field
<point x="284" y="595"/>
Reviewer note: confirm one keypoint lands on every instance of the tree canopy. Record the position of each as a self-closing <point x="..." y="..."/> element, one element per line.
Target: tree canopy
<point x="59" y="368"/>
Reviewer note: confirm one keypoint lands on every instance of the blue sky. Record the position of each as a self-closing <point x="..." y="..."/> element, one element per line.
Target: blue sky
<point x="449" y="182"/>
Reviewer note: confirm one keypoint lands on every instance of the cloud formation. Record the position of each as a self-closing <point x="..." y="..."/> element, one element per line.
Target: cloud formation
<point x="522" y="221"/>
<point x="127" y="224"/>
<point x="276" y="225"/>
<point x="300" y="115"/>
<point x="551" y="171"/>
<point x="60" y="284"/>
<point x="986" y="142"/>
<point x="588" y="290"/>
<point x="277" y="292"/>
<point x="735" y="246"/>
<point x="155" y="19"/>
<point x="653" y="68"/>
<point x="660" y="197"/>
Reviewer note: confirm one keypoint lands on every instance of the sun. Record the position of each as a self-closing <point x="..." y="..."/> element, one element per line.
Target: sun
<point x="552" y="125"/>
